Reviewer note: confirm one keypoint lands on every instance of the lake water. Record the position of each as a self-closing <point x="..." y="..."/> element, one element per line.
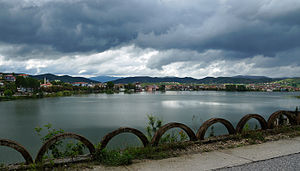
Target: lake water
<point x="95" y="115"/>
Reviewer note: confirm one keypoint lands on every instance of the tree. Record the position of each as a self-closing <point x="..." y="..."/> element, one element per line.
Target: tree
<point x="10" y="86"/>
<point x="110" y="85"/>
<point x="162" y="88"/>
<point x="8" y="93"/>
<point x="21" y="82"/>
<point x="230" y="87"/>
<point x="241" y="88"/>
<point x="130" y="86"/>
<point x="27" y="82"/>
<point x="33" y="83"/>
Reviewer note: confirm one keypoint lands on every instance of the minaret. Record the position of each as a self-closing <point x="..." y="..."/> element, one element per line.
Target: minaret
<point x="45" y="80"/>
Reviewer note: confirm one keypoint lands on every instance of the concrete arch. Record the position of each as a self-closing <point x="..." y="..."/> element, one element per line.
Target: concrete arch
<point x="18" y="147"/>
<point x="164" y="128"/>
<point x="290" y="115"/>
<point x="58" y="137"/>
<point x="263" y="123"/>
<point x="110" y="135"/>
<point x="201" y="131"/>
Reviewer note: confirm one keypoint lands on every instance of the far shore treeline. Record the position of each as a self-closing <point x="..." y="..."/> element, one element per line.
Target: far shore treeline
<point x="22" y="86"/>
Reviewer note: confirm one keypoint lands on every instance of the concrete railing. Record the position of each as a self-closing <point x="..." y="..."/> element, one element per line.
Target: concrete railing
<point x="293" y="117"/>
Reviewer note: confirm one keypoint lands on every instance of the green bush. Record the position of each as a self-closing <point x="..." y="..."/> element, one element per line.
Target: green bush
<point x="109" y="91"/>
<point x="246" y="128"/>
<point x="2" y="166"/>
<point x="154" y="123"/>
<point x="67" y="93"/>
<point x="59" y="149"/>
<point x="8" y="93"/>
<point x="112" y="157"/>
<point x="254" y="135"/>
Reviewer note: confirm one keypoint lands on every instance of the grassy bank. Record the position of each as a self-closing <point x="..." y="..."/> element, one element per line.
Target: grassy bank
<point x="138" y="154"/>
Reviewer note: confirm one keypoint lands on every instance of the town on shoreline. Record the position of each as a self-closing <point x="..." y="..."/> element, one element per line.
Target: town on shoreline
<point x="20" y="86"/>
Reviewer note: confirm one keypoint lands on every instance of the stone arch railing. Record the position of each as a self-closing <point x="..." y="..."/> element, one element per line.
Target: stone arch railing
<point x="290" y="115"/>
<point x="159" y="133"/>
<point x="263" y="123"/>
<point x="18" y="147"/>
<point x="164" y="128"/>
<point x="136" y="132"/>
<point x="201" y="131"/>
<point x="59" y="137"/>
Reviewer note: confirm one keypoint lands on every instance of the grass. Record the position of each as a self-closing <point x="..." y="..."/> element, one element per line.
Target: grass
<point x="2" y="166"/>
<point x="134" y="154"/>
<point x="126" y="156"/>
<point x="113" y="157"/>
<point x="254" y="135"/>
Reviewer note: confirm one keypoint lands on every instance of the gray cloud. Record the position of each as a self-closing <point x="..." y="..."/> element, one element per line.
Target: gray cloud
<point x="250" y="27"/>
<point x="263" y="34"/>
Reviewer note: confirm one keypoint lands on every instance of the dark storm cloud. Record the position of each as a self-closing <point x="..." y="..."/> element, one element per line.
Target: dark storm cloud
<point x="181" y="30"/>
<point x="234" y="26"/>
<point x="79" y="26"/>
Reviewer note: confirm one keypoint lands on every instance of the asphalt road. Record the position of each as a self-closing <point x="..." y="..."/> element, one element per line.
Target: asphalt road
<point x="289" y="162"/>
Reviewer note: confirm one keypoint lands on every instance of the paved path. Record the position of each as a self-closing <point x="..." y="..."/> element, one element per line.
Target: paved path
<point x="249" y="157"/>
<point x="289" y="162"/>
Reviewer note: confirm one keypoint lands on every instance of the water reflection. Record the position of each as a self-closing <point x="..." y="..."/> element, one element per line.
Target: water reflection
<point x="190" y="103"/>
<point x="95" y="115"/>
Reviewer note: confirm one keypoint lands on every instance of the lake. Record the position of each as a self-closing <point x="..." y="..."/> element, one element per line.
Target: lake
<point x="94" y="115"/>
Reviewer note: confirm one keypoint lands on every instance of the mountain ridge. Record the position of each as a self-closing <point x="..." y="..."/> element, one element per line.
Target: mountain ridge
<point x="104" y="78"/>
<point x="239" y="79"/>
<point x="63" y="78"/>
<point x="206" y="80"/>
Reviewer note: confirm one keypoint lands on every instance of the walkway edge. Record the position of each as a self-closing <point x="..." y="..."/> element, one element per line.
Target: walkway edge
<point x="218" y="159"/>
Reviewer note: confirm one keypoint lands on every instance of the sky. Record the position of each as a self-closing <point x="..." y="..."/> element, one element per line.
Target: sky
<point x="190" y="38"/>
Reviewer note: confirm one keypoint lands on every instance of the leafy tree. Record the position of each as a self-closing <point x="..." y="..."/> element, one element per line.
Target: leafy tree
<point x="8" y="93"/>
<point x="10" y="86"/>
<point x="33" y="83"/>
<point x="21" y="82"/>
<point x="241" y="88"/>
<point x="162" y="88"/>
<point x="129" y="86"/>
<point x="27" y="82"/>
<point x="110" y="85"/>
<point x="230" y="87"/>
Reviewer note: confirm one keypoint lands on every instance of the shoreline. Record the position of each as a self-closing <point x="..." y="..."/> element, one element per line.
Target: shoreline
<point x="171" y="150"/>
<point x="66" y="93"/>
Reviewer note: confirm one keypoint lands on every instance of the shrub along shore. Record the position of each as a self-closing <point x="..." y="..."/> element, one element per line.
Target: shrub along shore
<point x="138" y="154"/>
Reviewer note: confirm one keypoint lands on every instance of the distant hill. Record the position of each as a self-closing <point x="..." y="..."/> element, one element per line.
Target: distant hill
<point x="237" y="80"/>
<point x="295" y="82"/>
<point x="240" y="79"/>
<point x="251" y="77"/>
<point x="206" y="80"/>
<point x="104" y="78"/>
<point x="64" y="78"/>
<point x="147" y="79"/>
